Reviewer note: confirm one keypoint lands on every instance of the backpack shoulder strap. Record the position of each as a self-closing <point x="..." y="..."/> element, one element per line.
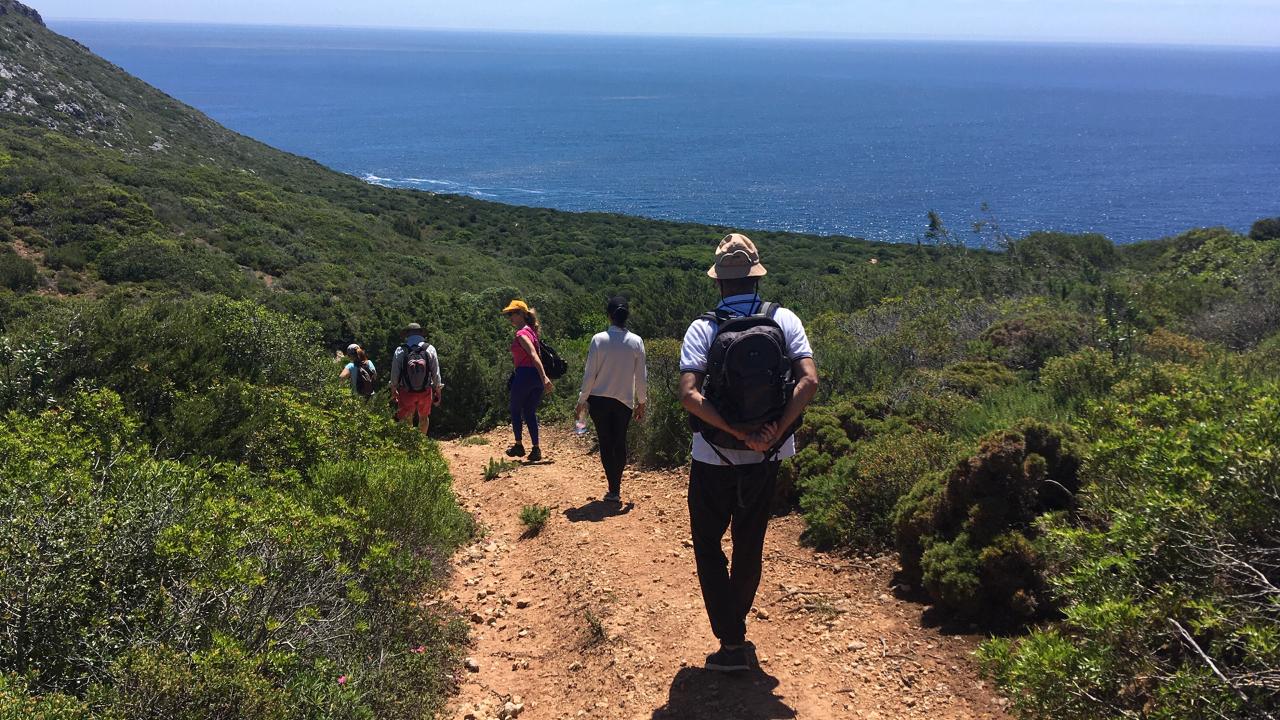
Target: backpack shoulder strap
<point x="715" y="317"/>
<point x="769" y="309"/>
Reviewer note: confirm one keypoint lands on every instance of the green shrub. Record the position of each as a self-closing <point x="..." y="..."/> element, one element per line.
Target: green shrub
<point x="534" y="518"/>
<point x="1265" y="229"/>
<point x="164" y="588"/>
<point x="222" y="682"/>
<point x="496" y="467"/>
<point x="1004" y="407"/>
<point x="1172" y="561"/>
<point x="1026" y="342"/>
<point x="828" y="433"/>
<point x="1162" y="345"/>
<point x="17" y="703"/>
<point x="850" y="504"/>
<point x="16" y="273"/>
<point x="663" y="438"/>
<point x="967" y="534"/>
<point x="1086" y="374"/>
<point x="975" y="379"/>
<point x="875" y="346"/>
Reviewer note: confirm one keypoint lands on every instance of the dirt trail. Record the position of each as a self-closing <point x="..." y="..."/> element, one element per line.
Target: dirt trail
<point x="600" y="615"/>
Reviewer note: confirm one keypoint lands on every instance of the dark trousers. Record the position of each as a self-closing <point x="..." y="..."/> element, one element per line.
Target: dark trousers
<point x="611" y="418"/>
<point x="526" y="393"/>
<point x="734" y="497"/>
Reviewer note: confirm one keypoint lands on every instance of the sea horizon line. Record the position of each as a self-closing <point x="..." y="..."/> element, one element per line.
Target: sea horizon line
<point x="809" y="37"/>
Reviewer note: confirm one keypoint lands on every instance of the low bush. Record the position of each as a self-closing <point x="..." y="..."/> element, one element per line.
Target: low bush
<point x="1265" y="229"/>
<point x="141" y="583"/>
<point x="534" y="518"/>
<point x="497" y="467"/>
<point x="663" y="438"/>
<point x="967" y="534"/>
<point x="850" y="504"/>
<point x="1026" y="342"/>
<point x="1004" y="407"/>
<point x="1168" y="581"/>
<point x="1083" y="375"/>
<point x="17" y="702"/>
<point x="232" y="533"/>
<point x="1162" y="345"/>
<point x="974" y="379"/>
<point x="16" y="273"/>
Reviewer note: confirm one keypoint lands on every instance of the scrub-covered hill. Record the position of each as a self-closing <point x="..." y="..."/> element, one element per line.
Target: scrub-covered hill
<point x="1055" y="434"/>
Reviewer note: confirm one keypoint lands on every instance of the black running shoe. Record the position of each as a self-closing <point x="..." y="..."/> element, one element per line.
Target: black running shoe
<point x="534" y="455"/>
<point x="613" y="498"/>
<point x="729" y="659"/>
<point x="516" y="450"/>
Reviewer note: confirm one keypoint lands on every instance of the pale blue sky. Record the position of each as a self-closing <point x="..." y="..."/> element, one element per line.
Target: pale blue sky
<point x="1212" y="22"/>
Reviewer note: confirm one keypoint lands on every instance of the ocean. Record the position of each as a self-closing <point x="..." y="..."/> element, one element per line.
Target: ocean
<point x="846" y="137"/>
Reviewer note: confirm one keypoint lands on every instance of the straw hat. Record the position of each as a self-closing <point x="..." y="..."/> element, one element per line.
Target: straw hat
<point x="736" y="258"/>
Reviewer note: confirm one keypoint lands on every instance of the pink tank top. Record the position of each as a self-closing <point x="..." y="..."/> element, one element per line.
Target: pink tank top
<point x="519" y="355"/>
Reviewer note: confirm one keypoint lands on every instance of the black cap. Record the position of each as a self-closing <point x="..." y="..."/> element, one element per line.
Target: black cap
<point x="616" y="303"/>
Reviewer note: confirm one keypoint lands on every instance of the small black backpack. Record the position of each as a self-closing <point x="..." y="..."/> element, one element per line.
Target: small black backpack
<point x="552" y="363"/>
<point x="366" y="379"/>
<point x="748" y="377"/>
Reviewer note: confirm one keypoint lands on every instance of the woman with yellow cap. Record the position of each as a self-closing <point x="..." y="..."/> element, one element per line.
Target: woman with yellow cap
<point x="529" y="381"/>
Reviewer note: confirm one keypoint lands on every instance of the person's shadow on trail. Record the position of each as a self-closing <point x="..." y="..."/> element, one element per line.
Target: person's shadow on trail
<point x="697" y="693"/>
<point x="596" y="511"/>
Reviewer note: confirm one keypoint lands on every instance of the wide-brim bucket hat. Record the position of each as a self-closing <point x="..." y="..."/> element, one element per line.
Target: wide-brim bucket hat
<point x="736" y="258"/>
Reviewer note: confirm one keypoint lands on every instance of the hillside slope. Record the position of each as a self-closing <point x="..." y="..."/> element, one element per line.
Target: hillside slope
<point x="89" y="146"/>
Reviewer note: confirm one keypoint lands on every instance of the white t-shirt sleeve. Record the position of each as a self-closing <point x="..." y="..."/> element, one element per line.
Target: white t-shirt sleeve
<point x="436" y="381"/>
<point x="641" y="374"/>
<point x="697" y="342"/>
<point x="793" y="330"/>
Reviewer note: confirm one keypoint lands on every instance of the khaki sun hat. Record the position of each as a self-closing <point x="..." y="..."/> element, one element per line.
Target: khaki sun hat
<point x="736" y="258"/>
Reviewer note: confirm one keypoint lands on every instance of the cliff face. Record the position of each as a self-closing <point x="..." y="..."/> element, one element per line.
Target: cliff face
<point x="12" y="6"/>
<point x="56" y="83"/>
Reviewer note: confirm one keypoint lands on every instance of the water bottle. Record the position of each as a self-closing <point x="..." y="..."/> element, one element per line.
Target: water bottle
<point x="580" y="427"/>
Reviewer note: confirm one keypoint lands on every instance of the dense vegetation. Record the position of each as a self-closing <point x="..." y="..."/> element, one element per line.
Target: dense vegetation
<point x="1065" y="437"/>
<point x="223" y="534"/>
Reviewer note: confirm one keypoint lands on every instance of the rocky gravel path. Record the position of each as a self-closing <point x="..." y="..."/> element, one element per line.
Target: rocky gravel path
<point x="599" y="614"/>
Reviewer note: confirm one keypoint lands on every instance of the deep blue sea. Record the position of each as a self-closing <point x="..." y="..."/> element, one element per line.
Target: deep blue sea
<point x="826" y="136"/>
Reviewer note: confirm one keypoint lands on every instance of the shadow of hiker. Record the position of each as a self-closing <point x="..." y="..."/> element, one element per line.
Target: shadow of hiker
<point x="697" y="693"/>
<point x="596" y="511"/>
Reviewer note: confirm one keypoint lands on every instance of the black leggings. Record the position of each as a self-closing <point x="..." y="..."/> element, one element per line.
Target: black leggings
<point x="611" y="418"/>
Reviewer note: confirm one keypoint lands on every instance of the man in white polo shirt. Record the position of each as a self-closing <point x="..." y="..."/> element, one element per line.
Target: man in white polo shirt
<point x="731" y="487"/>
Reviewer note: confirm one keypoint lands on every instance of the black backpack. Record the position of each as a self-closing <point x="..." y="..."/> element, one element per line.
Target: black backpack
<point x="366" y="379"/>
<point x="552" y="363"/>
<point x="748" y="377"/>
<point x="419" y="370"/>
